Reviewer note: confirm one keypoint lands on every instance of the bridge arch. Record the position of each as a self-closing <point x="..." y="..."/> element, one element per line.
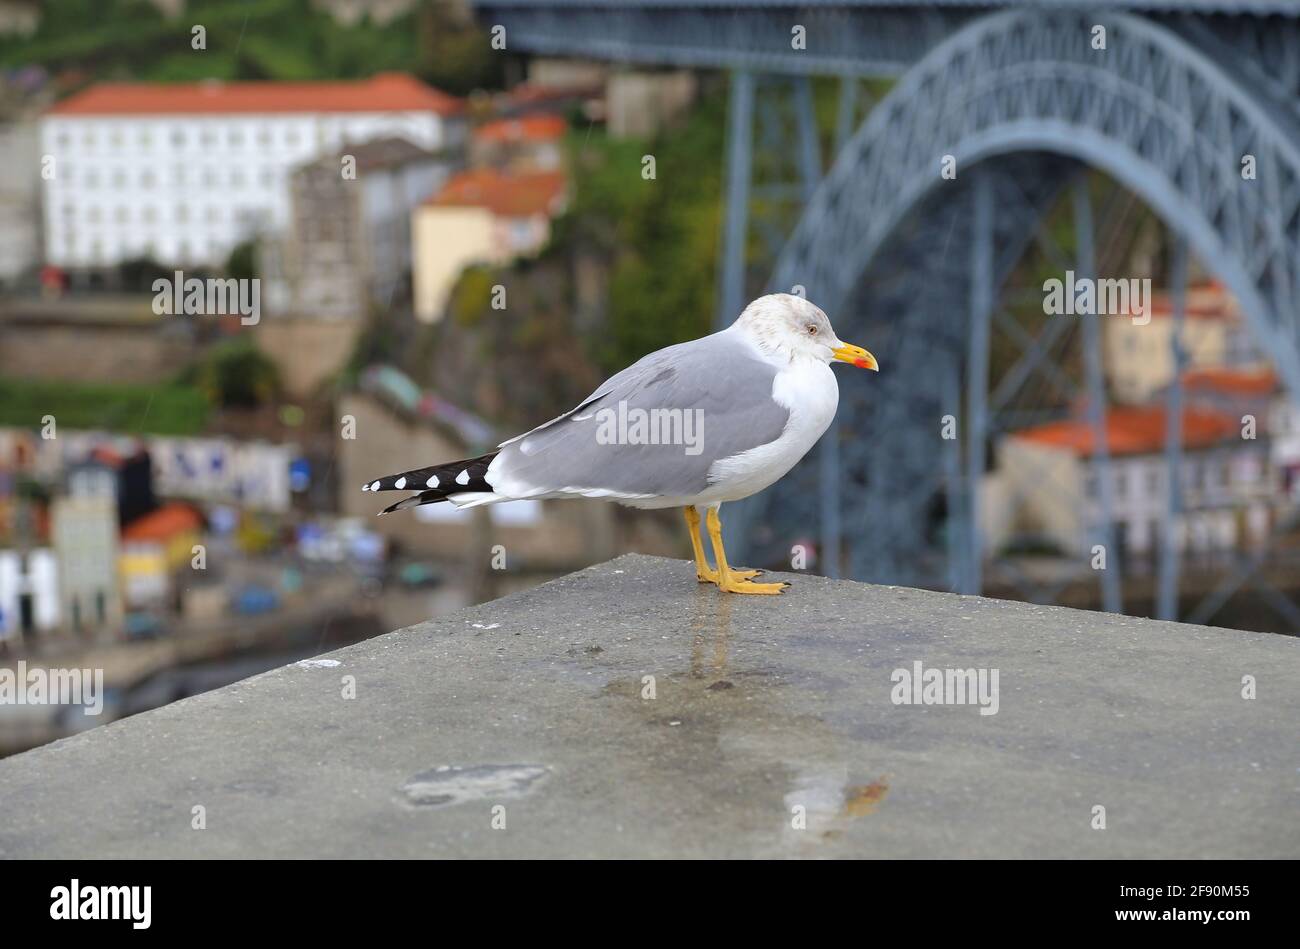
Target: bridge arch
<point x="1151" y="110"/>
<point x="1023" y="99"/>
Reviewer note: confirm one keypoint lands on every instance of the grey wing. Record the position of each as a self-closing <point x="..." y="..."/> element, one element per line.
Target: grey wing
<point x="656" y="428"/>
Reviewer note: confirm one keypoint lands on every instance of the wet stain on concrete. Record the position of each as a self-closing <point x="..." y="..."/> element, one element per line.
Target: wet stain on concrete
<point x="452" y="784"/>
<point x="865" y="798"/>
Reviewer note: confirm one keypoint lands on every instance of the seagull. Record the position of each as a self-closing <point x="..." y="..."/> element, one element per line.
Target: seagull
<point x="693" y="426"/>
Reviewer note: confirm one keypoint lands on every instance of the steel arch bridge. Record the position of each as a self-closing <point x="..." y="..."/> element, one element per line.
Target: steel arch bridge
<point x="1019" y="100"/>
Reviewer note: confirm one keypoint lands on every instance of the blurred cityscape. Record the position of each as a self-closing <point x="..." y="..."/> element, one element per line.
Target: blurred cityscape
<point x="250" y="261"/>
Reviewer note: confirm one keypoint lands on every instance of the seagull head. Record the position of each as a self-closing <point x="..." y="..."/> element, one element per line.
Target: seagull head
<point x="786" y="325"/>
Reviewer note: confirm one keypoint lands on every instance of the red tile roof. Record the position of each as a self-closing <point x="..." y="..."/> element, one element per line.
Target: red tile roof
<point x="1206" y="301"/>
<point x="1132" y="431"/>
<point x="163" y="524"/>
<point x="506" y="195"/>
<point x="386" y="92"/>
<point x="1245" y="382"/>
<point x="530" y="128"/>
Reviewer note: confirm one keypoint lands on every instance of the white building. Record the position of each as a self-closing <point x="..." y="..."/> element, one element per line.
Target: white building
<point x="1051" y="479"/>
<point x="83" y="530"/>
<point x="29" y="593"/>
<point x="185" y="172"/>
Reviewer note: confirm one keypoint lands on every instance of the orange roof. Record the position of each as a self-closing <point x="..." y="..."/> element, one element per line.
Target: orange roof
<point x="386" y="92"/>
<point x="1132" y="431"/>
<point x="506" y="195"/>
<point x="530" y="128"/>
<point x="1206" y="301"/>
<point x="1232" y="381"/>
<point x="163" y="524"/>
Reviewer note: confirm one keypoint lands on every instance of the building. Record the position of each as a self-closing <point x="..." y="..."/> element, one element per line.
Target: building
<point x="529" y="143"/>
<point x="349" y="238"/>
<point x="20" y="190"/>
<point x="483" y="216"/>
<point x="29" y="594"/>
<point x="154" y="549"/>
<point x="352" y="12"/>
<point x="1053" y="490"/>
<point x="84" y="534"/>
<point x="1139" y="355"/>
<point x="184" y="172"/>
<point x="1284" y="445"/>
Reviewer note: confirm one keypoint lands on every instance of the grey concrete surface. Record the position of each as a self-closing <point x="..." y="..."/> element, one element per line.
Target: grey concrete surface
<point x="534" y="708"/>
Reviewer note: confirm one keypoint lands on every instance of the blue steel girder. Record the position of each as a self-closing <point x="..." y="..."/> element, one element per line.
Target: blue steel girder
<point x="843" y="38"/>
<point x="894" y="466"/>
<point x="862" y="37"/>
<point x="1152" y="110"/>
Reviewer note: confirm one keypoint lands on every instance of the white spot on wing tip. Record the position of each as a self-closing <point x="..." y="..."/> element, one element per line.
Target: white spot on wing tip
<point x="399" y="483"/>
<point x="463" y="477"/>
<point x="374" y="486"/>
<point x="432" y="482"/>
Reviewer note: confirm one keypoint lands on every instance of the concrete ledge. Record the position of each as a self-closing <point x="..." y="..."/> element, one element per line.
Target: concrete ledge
<point x="762" y="706"/>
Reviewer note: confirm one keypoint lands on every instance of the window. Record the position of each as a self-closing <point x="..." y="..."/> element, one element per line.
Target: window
<point x="178" y="138"/>
<point x="147" y="179"/>
<point x="235" y="137"/>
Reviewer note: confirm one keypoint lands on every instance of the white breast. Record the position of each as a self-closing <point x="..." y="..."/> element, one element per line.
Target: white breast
<point x="807" y="389"/>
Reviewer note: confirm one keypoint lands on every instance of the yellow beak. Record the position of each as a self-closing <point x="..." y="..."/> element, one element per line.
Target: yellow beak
<point x="858" y="356"/>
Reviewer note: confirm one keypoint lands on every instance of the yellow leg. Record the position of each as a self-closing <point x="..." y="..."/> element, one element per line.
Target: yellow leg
<point x="703" y="572"/>
<point x="734" y="581"/>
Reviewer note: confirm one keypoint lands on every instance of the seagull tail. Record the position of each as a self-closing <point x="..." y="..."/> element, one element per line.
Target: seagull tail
<point x="435" y="483"/>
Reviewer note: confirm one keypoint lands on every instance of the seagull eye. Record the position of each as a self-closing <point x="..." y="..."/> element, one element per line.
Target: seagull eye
<point x="812" y="329"/>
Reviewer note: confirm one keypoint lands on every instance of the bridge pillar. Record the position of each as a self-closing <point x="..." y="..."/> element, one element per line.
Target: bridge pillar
<point x="1111" y="596"/>
<point x="740" y="143"/>
<point x="977" y="379"/>
<point x="1170" y="555"/>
